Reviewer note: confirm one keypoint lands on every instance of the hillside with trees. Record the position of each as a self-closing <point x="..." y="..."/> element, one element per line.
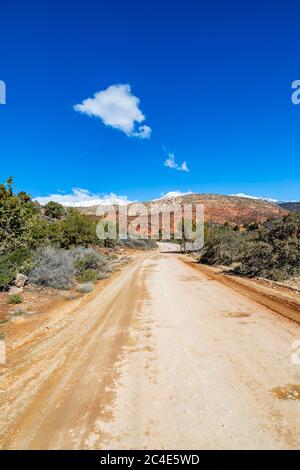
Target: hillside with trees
<point x="270" y="249"/>
<point x="51" y="245"/>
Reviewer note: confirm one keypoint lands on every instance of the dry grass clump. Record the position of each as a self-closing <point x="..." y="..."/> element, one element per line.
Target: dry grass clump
<point x="287" y="392"/>
<point x="237" y="314"/>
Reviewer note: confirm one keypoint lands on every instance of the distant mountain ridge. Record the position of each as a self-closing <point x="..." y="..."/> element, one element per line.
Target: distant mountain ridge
<point x="218" y="208"/>
<point x="290" y="206"/>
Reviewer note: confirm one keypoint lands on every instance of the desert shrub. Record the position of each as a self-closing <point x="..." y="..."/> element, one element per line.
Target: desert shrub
<point x="59" y="268"/>
<point x="282" y="229"/>
<point x="128" y="243"/>
<point x="75" y="230"/>
<point x="102" y="275"/>
<point x="85" y="288"/>
<point x="89" y="263"/>
<point x="19" y="313"/>
<point x="277" y="260"/>
<point x="275" y="250"/>
<point x="17" y="213"/>
<point x="89" y="275"/>
<point x="108" y="268"/>
<point x="270" y="249"/>
<point x="252" y="226"/>
<point x="186" y="234"/>
<point x="257" y="258"/>
<point x="141" y="244"/>
<point x="109" y="243"/>
<point x="106" y="229"/>
<point x="126" y="259"/>
<point x="21" y="224"/>
<point x="112" y="256"/>
<point x="54" y="268"/>
<point x="38" y="232"/>
<point x="24" y="230"/>
<point x="223" y="245"/>
<point x="14" y="299"/>
<point x="11" y="263"/>
<point x="54" y="210"/>
<point x="88" y="258"/>
<point x="151" y="244"/>
<point x="7" y="271"/>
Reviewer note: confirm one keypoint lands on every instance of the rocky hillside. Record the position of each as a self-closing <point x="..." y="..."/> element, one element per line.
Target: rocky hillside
<point x="290" y="206"/>
<point x="219" y="208"/>
<point x="232" y="209"/>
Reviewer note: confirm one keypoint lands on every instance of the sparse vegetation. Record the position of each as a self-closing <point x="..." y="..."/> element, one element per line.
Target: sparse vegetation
<point x="19" y="260"/>
<point x="75" y="229"/>
<point x="53" y="268"/>
<point x="42" y="242"/>
<point x="102" y="275"/>
<point x="270" y="249"/>
<point x="19" y="313"/>
<point x="85" y="288"/>
<point x="14" y="299"/>
<point x="57" y="247"/>
<point x="89" y="275"/>
<point x="58" y="268"/>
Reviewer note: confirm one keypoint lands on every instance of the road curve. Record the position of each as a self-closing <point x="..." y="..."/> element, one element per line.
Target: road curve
<point x="163" y="358"/>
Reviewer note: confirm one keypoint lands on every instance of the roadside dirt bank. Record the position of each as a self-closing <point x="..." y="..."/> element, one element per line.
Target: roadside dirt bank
<point x="282" y="300"/>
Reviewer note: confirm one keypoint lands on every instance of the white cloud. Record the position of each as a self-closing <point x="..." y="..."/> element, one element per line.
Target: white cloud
<point x="171" y="163"/>
<point x="119" y="108"/>
<point x="172" y="194"/>
<point x="269" y="199"/>
<point x="83" y="198"/>
<point x="144" y="132"/>
<point x="184" y="167"/>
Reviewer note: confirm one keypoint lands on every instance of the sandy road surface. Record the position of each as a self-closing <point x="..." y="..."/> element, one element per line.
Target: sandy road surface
<point x="164" y="357"/>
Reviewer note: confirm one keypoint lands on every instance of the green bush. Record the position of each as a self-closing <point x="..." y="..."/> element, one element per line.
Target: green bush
<point x="275" y="260"/>
<point x="28" y="233"/>
<point x="88" y="258"/>
<point x="38" y="232"/>
<point x="17" y="213"/>
<point x="270" y="249"/>
<point x="54" y="210"/>
<point x="89" y="275"/>
<point x="90" y="264"/>
<point x="75" y="230"/>
<point x="11" y="263"/>
<point x="14" y="299"/>
<point x="223" y="245"/>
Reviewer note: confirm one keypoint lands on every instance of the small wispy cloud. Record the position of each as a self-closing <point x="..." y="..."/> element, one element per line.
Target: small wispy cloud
<point x="119" y="108"/>
<point x="269" y="199"/>
<point x="83" y="198"/>
<point x="171" y="163"/>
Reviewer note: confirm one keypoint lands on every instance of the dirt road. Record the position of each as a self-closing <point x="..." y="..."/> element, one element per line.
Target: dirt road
<point x="164" y="357"/>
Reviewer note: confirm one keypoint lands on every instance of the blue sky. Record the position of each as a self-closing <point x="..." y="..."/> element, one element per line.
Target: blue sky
<point x="213" y="80"/>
